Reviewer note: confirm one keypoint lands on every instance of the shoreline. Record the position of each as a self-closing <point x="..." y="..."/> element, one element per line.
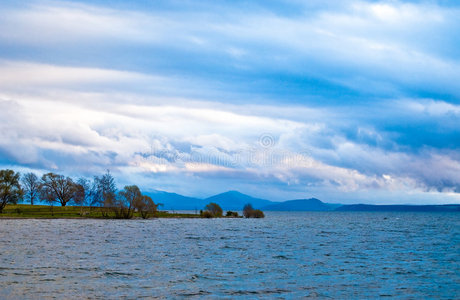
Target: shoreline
<point x="44" y="212"/>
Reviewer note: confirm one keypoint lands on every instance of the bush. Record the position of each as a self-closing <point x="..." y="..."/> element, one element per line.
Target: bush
<point x="250" y="212"/>
<point x="207" y="214"/>
<point x="214" y="209"/>
<point x="257" y="213"/>
<point x="232" y="214"/>
<point x="146" y="207"/>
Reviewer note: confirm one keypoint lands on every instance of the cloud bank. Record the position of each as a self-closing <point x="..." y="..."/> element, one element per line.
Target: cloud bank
<point x="350" y="102"/>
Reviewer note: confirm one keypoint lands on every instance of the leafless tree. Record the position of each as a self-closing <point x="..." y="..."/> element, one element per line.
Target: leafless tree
<point x="247" y="210"/>
<point x="59" y="189"/>
<point x="31" y="186"/>
<point x="104" y="192"/>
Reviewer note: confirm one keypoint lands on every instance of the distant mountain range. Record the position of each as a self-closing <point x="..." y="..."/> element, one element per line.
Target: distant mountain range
<point x="312" y="204"/>
<point x="173" y="201"/>
<point x="234" y="200"/>
<point x="231" y="200"/>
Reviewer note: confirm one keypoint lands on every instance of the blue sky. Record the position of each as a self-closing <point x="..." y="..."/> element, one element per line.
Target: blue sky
<point x="346" y="101"/>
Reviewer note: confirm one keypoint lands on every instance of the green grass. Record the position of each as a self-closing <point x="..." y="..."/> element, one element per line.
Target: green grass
<point x="70" y="212"/>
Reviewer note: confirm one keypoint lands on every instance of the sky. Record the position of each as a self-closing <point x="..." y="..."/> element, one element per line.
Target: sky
<point x="346" y="101"/>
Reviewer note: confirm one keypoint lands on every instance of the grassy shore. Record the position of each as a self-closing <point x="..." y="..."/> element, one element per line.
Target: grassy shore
<point x="26" y="211"/>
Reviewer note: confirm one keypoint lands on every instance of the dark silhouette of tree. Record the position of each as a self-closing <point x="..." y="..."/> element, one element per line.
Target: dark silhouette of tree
<point x="31" y="187"/>
<point x="146" y="207"/>
<point x="214" y="209"/>
<point x="10" y="189"/>
<point x="58" y="188"/>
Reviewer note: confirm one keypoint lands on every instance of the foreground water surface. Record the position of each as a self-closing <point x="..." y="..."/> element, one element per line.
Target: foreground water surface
<point x="285" y="255"/>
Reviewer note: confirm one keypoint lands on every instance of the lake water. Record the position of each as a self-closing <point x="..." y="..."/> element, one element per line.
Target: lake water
<point x="286" y="255"/>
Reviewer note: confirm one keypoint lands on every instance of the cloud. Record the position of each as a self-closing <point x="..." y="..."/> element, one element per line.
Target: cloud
<point x="389" y="48"/>
<point x="22" y="74"/>
<point x="52" y="23"/>
<point x="212" y="144"/>
<point x="323" y="98"/>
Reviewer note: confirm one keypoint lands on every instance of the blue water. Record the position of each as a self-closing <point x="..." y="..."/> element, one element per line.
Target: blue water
<point x="286" y="255"/>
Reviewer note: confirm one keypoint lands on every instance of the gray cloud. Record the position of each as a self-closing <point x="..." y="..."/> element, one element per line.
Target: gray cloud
<point x="179" y="99"/>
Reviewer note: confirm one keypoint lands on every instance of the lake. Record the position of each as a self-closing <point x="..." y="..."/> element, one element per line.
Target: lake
<point x="286" y="255"/>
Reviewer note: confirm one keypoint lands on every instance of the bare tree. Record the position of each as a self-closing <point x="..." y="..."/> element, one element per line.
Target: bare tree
<point x="31" y="186"/>
<point x="60" y="189"/>
<point x="85" y="191"/>
<point x="247" y="210"/>
<point x="105" y="189"/>
<point x="10" y="189"/>
<point x="104" y="192"/>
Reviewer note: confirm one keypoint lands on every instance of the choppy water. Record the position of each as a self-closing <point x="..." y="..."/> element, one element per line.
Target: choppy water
<point x="285" y="255"/>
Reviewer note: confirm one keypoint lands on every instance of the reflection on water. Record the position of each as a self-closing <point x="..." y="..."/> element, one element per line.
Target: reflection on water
<point x="339" y="255"/>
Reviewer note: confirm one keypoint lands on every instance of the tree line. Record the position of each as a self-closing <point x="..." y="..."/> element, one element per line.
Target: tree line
<point x="100" y="192"/>
<point x="53" y="188"/>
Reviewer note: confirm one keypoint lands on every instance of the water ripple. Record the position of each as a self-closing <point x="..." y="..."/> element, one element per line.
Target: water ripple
<point x="285" y="255"/>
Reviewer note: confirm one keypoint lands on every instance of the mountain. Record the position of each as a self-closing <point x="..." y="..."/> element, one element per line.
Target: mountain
<point x="408" y="208"/>
<point x="300" y="205"/>
<point x="173" y="201"/>
<point x="233" y="200"/>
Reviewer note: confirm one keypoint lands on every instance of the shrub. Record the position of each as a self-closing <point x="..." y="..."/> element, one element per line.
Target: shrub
<point x="214" y="209"/>
<point x="250" y="212"/>
<point x="207" y="214"/>
<point x="146" y="207"/>
<point x="232" y="214"/>
<point x="257" y="213"/>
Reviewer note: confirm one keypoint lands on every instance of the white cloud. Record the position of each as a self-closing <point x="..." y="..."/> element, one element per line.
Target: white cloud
<point x="359" y="33"/>
<point x="54" y="23"/>
<point x="16" y="75"/>
<point x="83" y="131"/>
<point x="165" y="123"/>
<point x="88" y="135"/>
<point x="431" y="107"/>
